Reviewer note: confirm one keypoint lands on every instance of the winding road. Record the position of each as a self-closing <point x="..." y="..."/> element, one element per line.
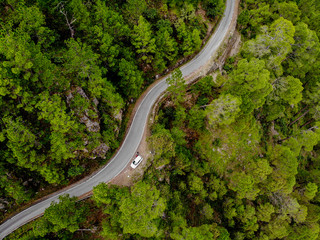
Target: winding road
<point x="134" y="134"/>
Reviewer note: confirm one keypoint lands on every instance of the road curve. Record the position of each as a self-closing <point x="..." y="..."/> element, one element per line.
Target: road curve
<point x="134" y="135"/>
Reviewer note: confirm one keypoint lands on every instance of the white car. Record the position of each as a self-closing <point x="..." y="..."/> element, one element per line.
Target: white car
<point x="136" y="162"/>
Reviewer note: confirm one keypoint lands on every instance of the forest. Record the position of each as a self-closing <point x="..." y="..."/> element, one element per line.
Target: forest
<point x="234" y="156"/>
<point x="69" y="73"/>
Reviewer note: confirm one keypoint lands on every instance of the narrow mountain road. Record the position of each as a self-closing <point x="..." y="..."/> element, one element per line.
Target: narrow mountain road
<point x="134" y="134"/>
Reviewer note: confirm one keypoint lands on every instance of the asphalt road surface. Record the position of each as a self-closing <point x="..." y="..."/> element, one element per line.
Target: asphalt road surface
<point x="135" y="133"/>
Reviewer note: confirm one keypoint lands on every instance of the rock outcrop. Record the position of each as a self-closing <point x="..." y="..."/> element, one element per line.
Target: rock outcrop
<point x="93" y="125"/>
<point x="101" y="150"/>
<point x="89" y="115"/>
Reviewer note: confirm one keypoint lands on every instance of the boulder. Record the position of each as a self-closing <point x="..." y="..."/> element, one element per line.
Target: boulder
<point x="101" y="150"/>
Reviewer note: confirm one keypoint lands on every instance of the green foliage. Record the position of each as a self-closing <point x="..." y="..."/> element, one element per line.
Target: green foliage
<point x="305" y="231"/>
<point x="223" y="110"/>
<point x="217" y="188"/>
<point x="214" y="7"/>
<point x="80" y="63"/>
<point x="75" y="171"/>
<point x="142" y="40"/>
<point x="131" y="78"/>
<point x="204" y="86"/>
<point x="288" y="10"/>
<point x="309" y="138"/>
<point x="64" y="215"/>
<point x="202" y="232"/>
<point x="108" y="195"/>
<point x="305" y="51"/>
<point x="265" y="212"/>
<point x="310" y="191"/>
<point x="166" y="47"/>
<point x="134" y="9"/>
<point x="260" y="169"/>
<point x="207" y="211"/>
<point x="252" y="170"/>
<point x="53" y="110"/>
<point x="250" y="174"/>
<point x="285" y="168"/>
<point x="162" y="145"/>
<point x="143" y="202"/>
<point x="250" y="81"/>
<point x="195" y="184"/>
<point x="22" y="142"/>
<point x="68" y="73"/>
<point x="13" y="189"/>
<point x="251" y="20"/>
<point x="243" y="185"/>
<point x="278" y="228"/>
<point x="195" y="117"/>
<point x="286" y="91"/>
<point x="191" y="40"/>
<point x="81" y="14"/>
<point x="310" y="17"/>
<point x="273" y="44"/>
<point x="177" y="86"/>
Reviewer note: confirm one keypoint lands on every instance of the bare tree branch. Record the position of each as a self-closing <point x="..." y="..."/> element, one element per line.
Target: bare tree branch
<point x="298" y="118"/>
<point x="60" y="6"/>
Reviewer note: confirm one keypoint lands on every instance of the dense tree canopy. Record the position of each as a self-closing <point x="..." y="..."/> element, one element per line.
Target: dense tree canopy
<point x="236" y="160"/>
<point x="69" y="71"/>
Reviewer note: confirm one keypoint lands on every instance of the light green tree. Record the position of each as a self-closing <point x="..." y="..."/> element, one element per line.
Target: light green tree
<point x="285" y="166"/>
<point x="248" y="219"/>
<point x="259" y="16"/>
<point x="167" y="49"/>
<point x="310" y="190"/>
<point x="202" y="232"/>
<point x="288" y="10"/>
<point x="66" y="214"/>
<point x="109" y="195"/>
<point x="81" y="67"/>
<point x="223" y="110"/>
<point x="260" y="169"/>
<point x="162" y="145"/>
<point x="286" y="91"/>
<point x="196" y="184"/>
<point x="134" y="10"/>
<point x="277" y="228"/>
<point x="191" y="40"/>
<point x="305" y="231"/>
<point x="141" y="211"/>
<point x="177" y="86"/>
<point x="143" y="41"/>
<point x="273" y="44"/>
<point x="250" y="81"/>
<point x="243" y="184"/>
<point x="265" y="211"/>
<point x="305" y="52"/>
<point x="23" y="143"/>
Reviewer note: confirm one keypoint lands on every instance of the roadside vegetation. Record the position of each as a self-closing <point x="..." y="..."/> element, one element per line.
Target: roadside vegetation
<point x="69" y="71"/>
<point x="236" y="155"/>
